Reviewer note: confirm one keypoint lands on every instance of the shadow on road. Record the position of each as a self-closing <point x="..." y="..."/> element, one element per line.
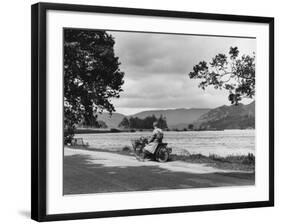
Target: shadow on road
<point x="80" y="176"/>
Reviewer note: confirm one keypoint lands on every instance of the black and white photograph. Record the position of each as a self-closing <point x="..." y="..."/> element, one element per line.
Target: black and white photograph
<point x="148" y="111"/>
<point x="134" y="111"/>
<point x="139" y="111"/>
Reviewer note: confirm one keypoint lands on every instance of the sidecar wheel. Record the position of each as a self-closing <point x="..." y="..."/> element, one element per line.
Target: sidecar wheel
<point x="162" y="155"/>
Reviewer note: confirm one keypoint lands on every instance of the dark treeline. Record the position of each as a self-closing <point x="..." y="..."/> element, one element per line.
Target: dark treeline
<point x="96" y="124"/>
<point x="146" y="123"/>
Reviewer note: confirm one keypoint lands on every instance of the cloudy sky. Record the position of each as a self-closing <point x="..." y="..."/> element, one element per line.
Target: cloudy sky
<point x="156" y="70"/>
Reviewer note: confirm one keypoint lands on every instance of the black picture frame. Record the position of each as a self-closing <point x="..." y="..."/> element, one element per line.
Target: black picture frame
<point x="39" y="122"/>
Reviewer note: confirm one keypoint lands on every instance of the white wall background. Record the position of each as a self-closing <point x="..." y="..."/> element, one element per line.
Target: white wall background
<point x="15" y="110"/>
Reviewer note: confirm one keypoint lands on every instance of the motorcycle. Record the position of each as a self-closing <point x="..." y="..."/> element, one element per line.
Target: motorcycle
<point x="161" y="153"/>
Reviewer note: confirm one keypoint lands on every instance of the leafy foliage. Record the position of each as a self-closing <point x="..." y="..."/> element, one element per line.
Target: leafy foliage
<point x="235" y="74"/>
<point x="91" y="77"/>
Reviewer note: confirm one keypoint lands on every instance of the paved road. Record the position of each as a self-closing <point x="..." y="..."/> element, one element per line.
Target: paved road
<point x="98" y="172"/>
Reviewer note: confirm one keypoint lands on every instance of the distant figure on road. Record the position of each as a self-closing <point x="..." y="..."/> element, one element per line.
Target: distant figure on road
<point x="155" y="139"/>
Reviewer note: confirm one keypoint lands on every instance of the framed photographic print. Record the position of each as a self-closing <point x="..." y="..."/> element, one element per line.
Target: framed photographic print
<point x="139" y="111"/>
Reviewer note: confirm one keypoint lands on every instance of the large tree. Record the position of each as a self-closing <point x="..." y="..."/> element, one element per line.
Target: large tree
<point x="233" y="73"/>
<point x="124" y="123"/>
<point x="91" y="77"/>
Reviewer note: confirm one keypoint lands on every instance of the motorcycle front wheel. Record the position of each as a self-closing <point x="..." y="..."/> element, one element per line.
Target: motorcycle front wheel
<point x="139" y="154"/>
<point x="162" y="155"/>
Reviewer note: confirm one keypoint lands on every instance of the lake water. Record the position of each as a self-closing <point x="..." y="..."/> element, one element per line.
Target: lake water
<point x="228" y="142"/>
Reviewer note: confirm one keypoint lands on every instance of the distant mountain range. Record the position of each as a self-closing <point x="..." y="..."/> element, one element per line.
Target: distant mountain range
<point x="176" y="118"/>
<point x="228" y="117"/>
<point x="224" y="117"/>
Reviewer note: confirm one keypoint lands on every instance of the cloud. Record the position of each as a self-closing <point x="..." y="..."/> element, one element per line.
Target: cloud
<point x="156" y="69"/>
<point x="167" y="53"/>
<point x="169" y="91"/>
<point x="154" y="53"/>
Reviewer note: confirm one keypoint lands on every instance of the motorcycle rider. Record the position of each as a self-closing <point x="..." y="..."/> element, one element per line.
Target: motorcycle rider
<point x="155" y="139"/>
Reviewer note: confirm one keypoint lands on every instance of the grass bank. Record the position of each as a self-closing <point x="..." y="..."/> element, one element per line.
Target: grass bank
<point x="233" y="162"/>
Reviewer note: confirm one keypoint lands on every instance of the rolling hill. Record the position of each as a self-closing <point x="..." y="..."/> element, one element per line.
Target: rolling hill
<point x="225" y="117"/>
<point x="228" y="117"/>
<point x="176" y="118"/>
